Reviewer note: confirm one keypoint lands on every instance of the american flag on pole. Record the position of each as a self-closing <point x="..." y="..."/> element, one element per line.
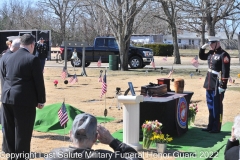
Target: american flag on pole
<point x="104" y="85"/>
<point x="230" y="80"/>
<point x="73" y="79"/>
<point x="165" y="58"/>
<point x="153" y="63"/>
<point x="170" y="73"/>
<point x="62" y="115"/>
<point x="194" y="62"/>
<point x="99" y="62"/>
<point x="64" y="73"/>
<point x="100" y="77"/>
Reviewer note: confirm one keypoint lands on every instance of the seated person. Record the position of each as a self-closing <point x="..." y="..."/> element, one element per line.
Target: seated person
<point x="84" y="134"/>
<point x="232" y="147"/>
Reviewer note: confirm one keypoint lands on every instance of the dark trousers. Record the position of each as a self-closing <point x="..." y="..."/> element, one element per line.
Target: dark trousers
<point x="42" y="62"/>
<point x="17" y="123"/>
<point x="215" y="108"/>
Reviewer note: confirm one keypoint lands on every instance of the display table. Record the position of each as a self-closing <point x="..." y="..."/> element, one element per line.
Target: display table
<point x="170" y="109"/>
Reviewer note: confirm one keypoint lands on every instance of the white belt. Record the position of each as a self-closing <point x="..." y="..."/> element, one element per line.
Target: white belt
<point x="212" y="71"/>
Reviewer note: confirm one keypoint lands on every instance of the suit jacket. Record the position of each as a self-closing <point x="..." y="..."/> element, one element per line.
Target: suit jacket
<point x="3" y="63"/>
<point x="24" y="83"/>
<point x="232" y="150"/>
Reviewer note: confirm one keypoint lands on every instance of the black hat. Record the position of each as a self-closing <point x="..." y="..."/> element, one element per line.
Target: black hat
<point x="41" y="38"/>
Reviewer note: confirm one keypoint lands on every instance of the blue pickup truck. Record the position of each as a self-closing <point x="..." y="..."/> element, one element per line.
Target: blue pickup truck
<point x="138" y="57"/>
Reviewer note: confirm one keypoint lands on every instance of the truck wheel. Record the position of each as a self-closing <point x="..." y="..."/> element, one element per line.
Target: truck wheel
<point x="77" y="63"/>
<point x="87" y="64"/>
<point x="135" y="62"/>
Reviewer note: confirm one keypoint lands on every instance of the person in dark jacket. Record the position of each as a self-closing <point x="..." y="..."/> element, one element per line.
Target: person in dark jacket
<point x="84" y="134"/>
<point x="232" y="147"/>
<point x="41" y="52"/>
<point x="23" y="90"/>
<point x="215" y="82"/>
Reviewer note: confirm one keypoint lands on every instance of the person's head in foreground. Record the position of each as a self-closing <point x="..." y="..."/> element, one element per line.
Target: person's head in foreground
<point x="236" y="127"/>
<point x="15" y="45"/>
<point x="28" y="42"/>
<point x="84" y="131"/>
<point x="214" y="42"/>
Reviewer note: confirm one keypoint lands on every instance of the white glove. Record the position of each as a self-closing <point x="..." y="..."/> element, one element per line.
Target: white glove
<point x="220" y="90"/>
<point x="205" y="46"/>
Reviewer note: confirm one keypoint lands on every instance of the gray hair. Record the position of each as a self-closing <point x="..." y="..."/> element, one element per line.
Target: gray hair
<point x="236" y="126"/>
<point x="16" y="43"/>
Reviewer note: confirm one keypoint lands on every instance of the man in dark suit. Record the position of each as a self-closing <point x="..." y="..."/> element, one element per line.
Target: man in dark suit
<point x="23" y="90"/>
<point x="3" y="61"/>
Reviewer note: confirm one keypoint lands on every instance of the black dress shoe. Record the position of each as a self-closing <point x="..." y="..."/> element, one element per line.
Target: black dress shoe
<point x="206" y="129"/>
<point x="212" y="131"/>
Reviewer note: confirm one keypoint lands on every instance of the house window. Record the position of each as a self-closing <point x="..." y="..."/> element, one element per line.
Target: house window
<point x="179" y="40"/>
<point x="189" y="42"/>
<point x="192" y="41"/>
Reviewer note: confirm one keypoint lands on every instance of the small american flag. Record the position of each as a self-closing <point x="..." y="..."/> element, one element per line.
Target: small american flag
<point x="99" y="62"/>
<point x="153" y="63"/>
<point x="104" y="85"/>
<point x="73" y="79"/>
<point x="100" y="77"/>
<point x="230" y="80"/>
<point x="194" y="62"/>
<point x="170" y="73"/>
<point x="62" y="115"/>
<point x="64" y="73"/>
<point x="165" y="58"/>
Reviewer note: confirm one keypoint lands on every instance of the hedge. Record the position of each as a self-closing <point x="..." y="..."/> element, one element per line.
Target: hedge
<point x="160" y="49"/>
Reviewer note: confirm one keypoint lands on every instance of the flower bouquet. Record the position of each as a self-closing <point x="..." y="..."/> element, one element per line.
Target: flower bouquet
<point x="193" y="109"/>
<point x="161" y="141"/>
<point x="148" y="128"/>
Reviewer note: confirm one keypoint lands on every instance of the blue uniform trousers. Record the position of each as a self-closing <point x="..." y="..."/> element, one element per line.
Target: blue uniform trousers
<point x="215" y="108"/>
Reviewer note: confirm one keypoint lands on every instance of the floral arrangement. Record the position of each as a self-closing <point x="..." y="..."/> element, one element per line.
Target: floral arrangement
<point x="193" y="109"/>
<point x="148" y="128"/>
<point x="161" y="138"/>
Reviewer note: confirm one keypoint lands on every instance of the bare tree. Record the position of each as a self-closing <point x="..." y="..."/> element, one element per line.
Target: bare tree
<point x="208" y="13"/>
<point x="121" y="15"/>
<point x="62" y="9"/>
<point x="171" y="10"/>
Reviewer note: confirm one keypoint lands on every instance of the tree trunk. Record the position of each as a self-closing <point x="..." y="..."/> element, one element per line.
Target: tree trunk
<point x="176" y="54"/>
<point x="123" y="52"/>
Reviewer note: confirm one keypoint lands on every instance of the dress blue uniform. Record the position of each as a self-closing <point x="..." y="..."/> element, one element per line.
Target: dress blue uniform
<point x="42" y="52"/>
<point x="216" y="80"/>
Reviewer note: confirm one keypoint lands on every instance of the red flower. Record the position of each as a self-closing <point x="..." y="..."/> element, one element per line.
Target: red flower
<point x="55" y="83"/>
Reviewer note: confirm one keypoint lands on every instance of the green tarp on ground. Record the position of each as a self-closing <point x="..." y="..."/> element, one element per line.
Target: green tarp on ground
<point x="207" y="146"/>
<point x="47" y="119"/>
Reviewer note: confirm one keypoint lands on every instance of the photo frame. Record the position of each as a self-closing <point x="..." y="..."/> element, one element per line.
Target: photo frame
<point x="131" y="88"/>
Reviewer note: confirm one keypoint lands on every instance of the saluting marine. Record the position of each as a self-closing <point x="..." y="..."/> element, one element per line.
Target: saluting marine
<point x="215" y="82"/>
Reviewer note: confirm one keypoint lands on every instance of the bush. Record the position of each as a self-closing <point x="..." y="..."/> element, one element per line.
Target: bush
<point x="160" y="49"/>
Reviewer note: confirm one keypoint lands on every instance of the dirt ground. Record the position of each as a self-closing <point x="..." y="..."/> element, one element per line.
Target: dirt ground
<point x="85" y="95"/>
